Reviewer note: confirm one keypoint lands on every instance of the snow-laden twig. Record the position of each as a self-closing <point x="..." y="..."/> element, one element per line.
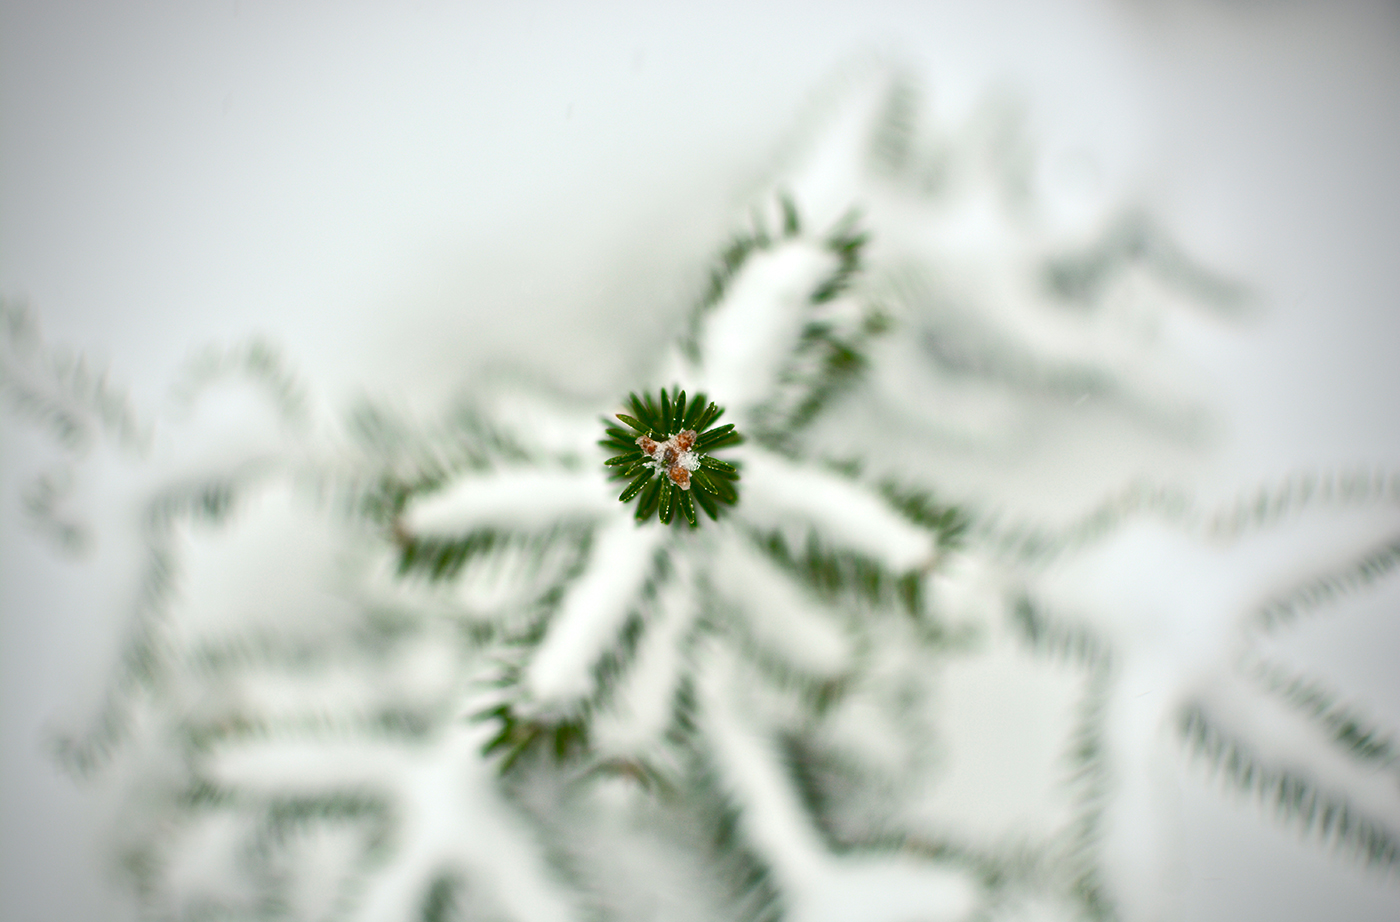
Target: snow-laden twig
<point x="816" y="886"/>
<point x="515" y="499"/>
<point x="1298" y="769"/>
<point x="642" y="705"/>
<point x="592" y="612"/>
<point x="748" y="338"/>
<point x="447" y="818"/>
<point x="779" y="493"/>
<point x="1169" y="626"/>
<point x="784" y="621"/>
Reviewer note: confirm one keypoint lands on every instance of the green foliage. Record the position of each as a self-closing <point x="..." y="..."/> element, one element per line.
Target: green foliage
<point x="518" y="735"/>
<point x="1350" y="731"/>
<point x="950" y="523"/>
<point x="443" y="558"/>
<point x="1080" y="279"/>
<point x="841" y="576"/>
<point x="1295" y="797"/>
<point x="60" y="390"/>
<point x="1354" y="577"/>
<point x="711" y="485"/>
<point x="440" y="904"/>
<point x="1053" y="637"/>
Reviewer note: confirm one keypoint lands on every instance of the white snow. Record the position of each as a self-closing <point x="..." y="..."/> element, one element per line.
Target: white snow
<point x="511" y="498"/>
<point x="777" y="492"/>
<point x="593" y="611"/>
<point x="749" y="336"/>
<point x="642" y="703"/>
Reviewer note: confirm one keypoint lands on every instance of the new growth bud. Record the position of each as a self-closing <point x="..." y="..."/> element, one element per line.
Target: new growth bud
<point x="672" y="458"/>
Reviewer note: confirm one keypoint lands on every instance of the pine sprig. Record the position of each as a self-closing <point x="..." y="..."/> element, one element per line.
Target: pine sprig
<point x="1296" y="798"/>
<point x="1380" y="562"/>
<point x="1057" y="638"/>
<point x="518" y="735"/>
<point x="840" y="576"/>
<point x="1351" y="731"/>
<point x="443" y="558"/>
<point x="665" y="455"/>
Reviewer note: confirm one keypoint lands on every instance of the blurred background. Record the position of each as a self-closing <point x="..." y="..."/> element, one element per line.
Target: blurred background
<point x="407" y="197"/>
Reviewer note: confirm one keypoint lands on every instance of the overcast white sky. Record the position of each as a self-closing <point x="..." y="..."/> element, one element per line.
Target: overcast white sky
<point x="399" y="193"/>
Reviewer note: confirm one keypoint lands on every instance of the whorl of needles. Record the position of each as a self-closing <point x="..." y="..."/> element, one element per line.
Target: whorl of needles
<point x="666" y="450"/>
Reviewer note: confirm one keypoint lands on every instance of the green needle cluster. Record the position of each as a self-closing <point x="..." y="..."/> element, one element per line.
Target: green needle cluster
<point x="664" y="454"/>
